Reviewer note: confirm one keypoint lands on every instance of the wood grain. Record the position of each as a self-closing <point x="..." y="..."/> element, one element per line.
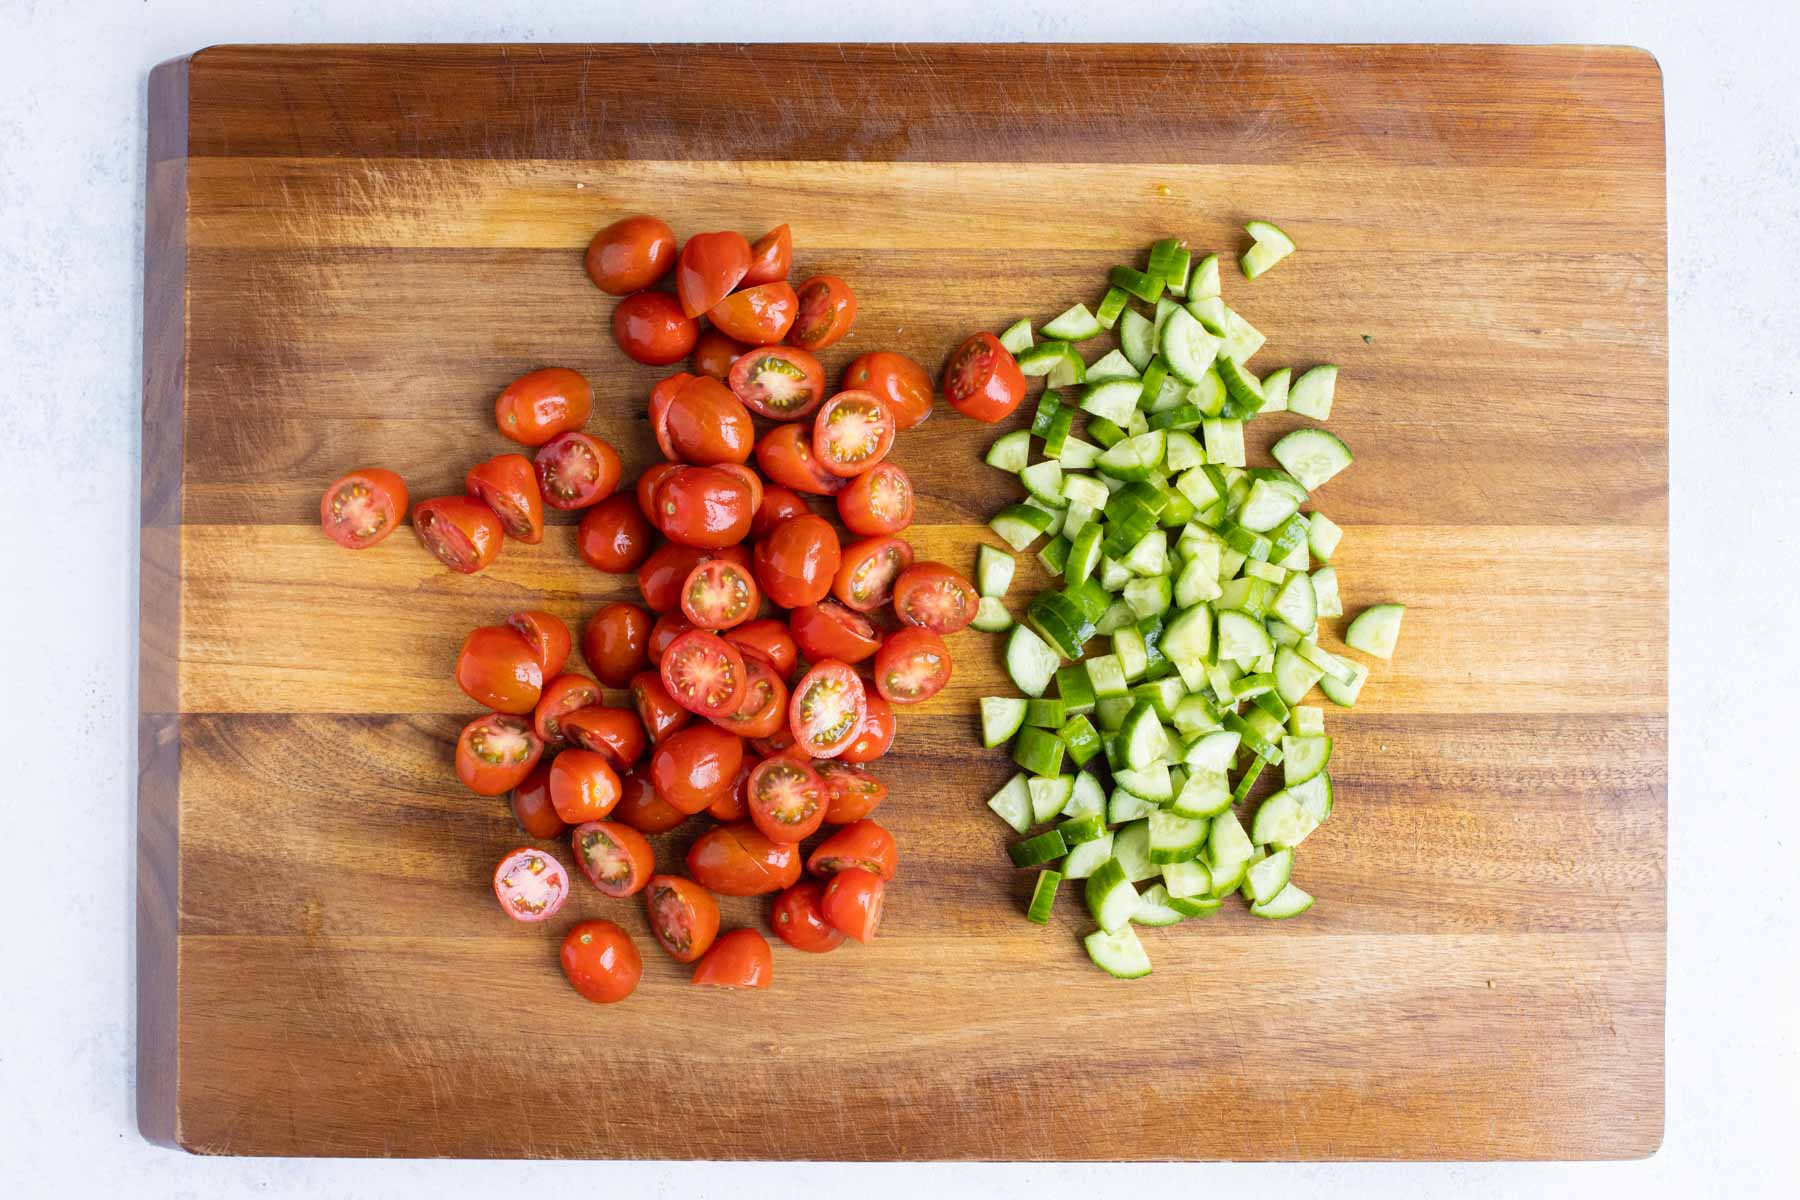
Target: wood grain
<point x="349" y="250"/>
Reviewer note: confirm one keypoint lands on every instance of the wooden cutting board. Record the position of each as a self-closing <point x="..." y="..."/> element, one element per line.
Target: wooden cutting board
<point x="350" y="250"/>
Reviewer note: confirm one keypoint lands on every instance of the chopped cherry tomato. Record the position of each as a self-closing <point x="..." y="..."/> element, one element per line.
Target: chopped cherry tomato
<point x="865" y="578"/>
<point x="532" y="808"/>
<point x="507" y="484"/>
<point x="616" y="858"/>
<point x="705" y="673"/>
<point x="782" y="383"/>
<point x="651" y="328"/>
<point x="830" y="630"/>
<point x="575" y="470"/>
<point x="851" y="792"/>
<point x="912" y="666"/>
<point x="796" y="919"/>
<point x="787" y="799"/>
<point x="863" y="844"/>
<point x="878" y="501"/>
<point x="535" y="408"/>
<point x="668" y="627"/>
<point x="362" y="507"/>
<point x="769" y="640"/>
<point x="740" y="860"/>
<point x="983" y="379"/>
<point x="711" y="264"/>
<point x="827" y="310"/>
<point x="739" y="959"/>
<point x="498" y="668"/>
<point x="583" y="785"/>
<point x="897" y="379"/>
<point x="852" y="433"/>
<point x="719" y="594"/>
<point x="614" y="536"/>
<point x="778" y="743"/>
<point x="615" y="642"/>
<point x="932" y="596"/>
<point x="463" y="533"/>
<point x="707" y="424"/>
<point x="770" y="256"/>
<point x="530" y="885"/>
<point x="877" y="732"/>
<point x="495" y="752"/>
<point x="826" y="712"/>
<point x="763" y="709"/>
<point x="615" y="733"/>
<point x="647" y="484"/>
<point x="778" y="504"/>
<point x="715" y="352"/>
<point x="562" y="695"/>
<point x="797" y="562"/>
<point x="692" y="768"/>
<point x="704" y="506"/>
<point x="641" y="808"/>
<point x="547" y="636"/>
<point x="757" y="316"/>
<point x="630" y="255"/>
<point x="663" y="573"/>
<point x="657" y="709"/>
<point x="730" y="806"/>
<point x="601" y="962"/>
<point x="751" y="479"/>
<point x="852" y="902"/>
<point x="683" y="916"/>
<point x="786" y="457"/>
<point x="661" y="397"/>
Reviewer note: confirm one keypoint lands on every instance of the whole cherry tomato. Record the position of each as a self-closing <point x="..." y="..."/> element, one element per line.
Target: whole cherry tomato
<point x="532" y="808"/>
<point x="764" y="707"/>
<point x="751" y="480"/>
<point x="615" y="642"/>
<point x="878" y="501"/>
<point x="668" y="627"/>
<point x="707" y="424"/>
<point x="575" y="470"/>
<point x="932" y="596"/>
<point x="786" y="457"/>
<point x="704" y="506"/>
<point x="562" y="695"/>
<point x="912" y="666"/>
<point x="651" y="328"/>
<point x="601" y="962"/>
<point x="704" y="672"/>
<point x="711" y="264"/>
<point x="657" y="709"/>
<point x="982" y="379"/>
<point x="740" y="860"/>
<point x="739" y="959"/>
<point x="852" y="433"/>
<point x="507" y="484"/>
<point x="719" y="594"/>
<point x="897" y="379"/>
<point x="863" y="844"/>
<point x="495" y="752"/>
<point x="852" y="902"/>
<point x="630" y="255"/>
<point x="770" y="256"/>
<point x="693" y="767"/>
<point x="616" y="858"/>
<point x="536" y="407"/>
<point x="530" y="885"/>
<point x="757" y="316"/>
<point x="796" y="919"/>
<point x="361" y="508"/>
<point x="869" y="568"/>
<point x="715" y="353"/>
<point x="830" y="630"/>
<point x="683" y="916"/>
<point x="614" y="536"/>
<point x="827" y="310"/>
<point x="641" y="808"/>
<point x="647" y="483"/>
<point x="797" y="562"/>
<point x="778" y="504"/>
<point x="769" y="640"/>
<point x="851" y="792"/>
<point x="786" y="799"/>
<point x="661" y="397"/>
<point x="615" y="733"/>
<point x="583" y="785"/>
<point x="877" y="733"/>
<point x="496" y="667"/>
<point x="463" y="533"/>
<point x="547" y="636"/>
<point x="782" y="383"/>
<point x="826" y="711"/>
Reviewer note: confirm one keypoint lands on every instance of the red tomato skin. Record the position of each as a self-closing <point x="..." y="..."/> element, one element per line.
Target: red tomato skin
<point x="661" y="397"/>
<point x="615" y="642"/>
<point x="826" y="676"/>
<point x="832" y="630"/>
<point x="645" y="488"/>
<point x="464" y="534"/>
<point x="982" y="379"/>
<point x="386" y="495"/>
<point x="700" y="650"/>
<point x="778" y="504"/>
<point x="583" y="785"/>
<point x="852" y="902"/>
<point x="601" y="962"/>
<point x="715" y="353"/>
<point x="730" y="804"/>
<point x="796" y="563"/>
<point x="897" y="652"/>
<point x="933" y="596"/>
<point x="739" y="860"/>
<point x="710" y="265"/>
<point x="690" y="769"/>
<point x="782" y="383"/>
<point x="651" y="328"/>
<point x="662" y="574"/>
<point x="770" y="257"/>
<point x="739" y="959"/>
<point x="853" y="792"/>
<point x="868" y="571"/>
<point x="709" y="578"/>
<point x="833" y="423"/>
<point x="796" y="919"/>
<point x="630" y="255"/>
<point x="827" y="311"/>
<point x="547" y="636"/>
<point x="614" y="536"/>
<point x="671" y="896"/>
<point x="537" y="406"/>
<point x="757" y="316"/>
<point x="615" y="733"/>
<point x="879" y="501"/>
<point x="591" y="838"/>
<point x="769" y="640"/>
<point x="793" y="775"/>
<point x="507" y="484"/>
<point x="668" y="627"/>
<point x="862" y="844"/>
<point x="705" y="507"/>
<point x="641" y="808"/>
<point x="531" y="805"/>
<point x="707" y="424"/>
<point x="497" y="668"/>
<point x="530" y="885"/>
<point x="876" y="735"/>
<point x="562" y="695"/>
<point x="786" y="457"/>
<point x="657" y="709"/>
<point x="897" y="379"/>
<point x="575" y="470"/>
<point x="484" y="763"/>
<point x="763" y="709"/>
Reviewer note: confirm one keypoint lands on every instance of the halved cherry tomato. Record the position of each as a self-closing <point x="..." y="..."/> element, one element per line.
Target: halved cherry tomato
<point x="615" y="733"/>
<point x="757" y="316"/>
<point x="865" y="578"/>
<point x="912" y="666"/>
<point x="601" y="962"/>
<point x="498" y="668"/>
<point x="536" y="407"/>
<point x="739" y="959"/>
<point x="778" y="743"/>
<point x="532" y="808"/>
<point x="507" y="484"/>
<point x="827" y="310"/>
<point x="715" y="352"/>
<point x="705" y="673"/>
<point x="740" y="860"/>
<point x="751" y="479"/>
<point x="647" y="484"/>
<point x="730" y="806"/>
<point x="851" y="792"/>
<point x="662" y="574"/>
<point x="935" y="597"/>
<point x="787" y="799"/>
<point x="786" y="457"/>
<point x="657" y="709"/>
<point x="982" y="379"/>
<point x="463" y="533"/>
<point x="877" y="732"/>
<point x="796" y="563"/>
<point x="630" y="255"/>
<point x="830" y="630"/>
<point x="692" y="768"/>
<point x="530" y="885"/>
<point x="770" y="256"/>
<point x="769" y="640"/>
<point x="763" y="708"/>
<point x="363" y="507"/>
<point x="683" y="916"/>
<point x="495" y="752"/>
<point x="711" y="264"/>
<point x="562" y="695"/>
<point x="782" y="383"/>
<point x="796" y="919"/>
<point x="547" y="636"/>
<point x="719" y="594"/>
<point x="707" y="424"/>
<point x="852" y="433"/>
<point x="897" y="379"/>
<point x="641" y="808"/>
<point x="661" y="396"/>
<point x="704" y="506"/>
<point x="575" y="470"/>
<point x="778" y="504"/>
<point x="852" y="902"/>
<point x="863" y="844"/>
<point x="583" y="785"/>
<point x="878" y="501"/>
<point x="668" y="627"/>
<point x="616" y="858"/>
<point x="614" y="536"/>
<point x="826" y="712"/>
<point x="651" y="328"/>
<point x="615" y="642"/>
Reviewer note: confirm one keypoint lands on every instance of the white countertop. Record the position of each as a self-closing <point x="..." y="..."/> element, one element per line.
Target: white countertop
<point x="72" y="112"/>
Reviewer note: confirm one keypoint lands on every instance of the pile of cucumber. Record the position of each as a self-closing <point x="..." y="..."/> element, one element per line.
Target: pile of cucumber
<point x="1198" y="572"/>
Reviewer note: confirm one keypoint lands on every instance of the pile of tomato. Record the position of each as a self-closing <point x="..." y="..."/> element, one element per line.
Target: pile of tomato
<point x="765" y="660"/>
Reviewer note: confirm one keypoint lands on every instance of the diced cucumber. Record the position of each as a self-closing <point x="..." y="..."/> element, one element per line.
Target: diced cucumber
<point x="1325" y="588"/>
<point x="1227" y="877"/>
<point x="993" y="570"/>
<point x="1030" y="663"/>
<point x="1076" y="691"/>
<point x="1074" y="324"/>
<point x="1131" y="850"/>
<point x="1017" y="336"/>
<point x="1084" y="555"/>
<point x="1303" y="756"/>
<point x="1297" y="604"/>
<point x="1010" y="451"/>
<point x="1044" y="359"/>
<point x="1110" y="897"/>
<point x="1086" y="797"/>
<point x="1044" y="480"/>
<point x="1193" y="715"/>
<point x="1266" y="878"/>
<point x="1174" y="838"/>
<point x="1038" y="751"/>
<point x="1144" y="286"/>
<point x="1242" y="340"/>
<point x="1012" y="804"/>
<point x="1227" y="846"/>
<point x="1188" y="635"/>
<point x="1204" y="794"/>
<point x="1107" y="675"/>
<point x="1152" y="783"/>
<point x="1169" y="259"/>
<point x="1291" y="902"/>
<point x="1085" y="489"/>
<point x="1128" y="647"/>
<point x="1035" y="851"/>
<point x="1211" y="752"/>
<point x="1043" y="897"/>
<point x="1183" y="451"/>
<point x="1111" y="305"/>
<point x="1314" y="796"/>
<point x="1375" y="630"/>
<point x="1068" y="372"/>
<point x="1078" y="455"/>
<point x="1312" y="393"/>
<point x="1149" y="556"/>
<point x="991" y="616"/>
<point x="1113" y="399"/>
<point x="1019" y="525"/>
<point x="1333" y="666"/>
<point x="1275" y="389"/>
<point x="1280" y="821"/>
<point x="1343" y="692"/>
<point x="1322" y="536"/>
<point x="1145" y="741"/>
<point x="1118" y="953"/>
<point x="1113" y="365"/>
<point x="1294" y="676"/>
<point x="1047" y="713"/>
<point x="1272" y="245"/>
<point x="1306" y="720"/>
<point x="1224" y="441"/>
<point x="1242" y="636"/>
<point x="1211" y="312"/>
<point x="1266" y="572"/>
<point x="1123" y="806"/>
<point x="1085" y="857"/>
<point x="1001" y="717"/>
<point x="1243" y="391"/>
<point x="1186" y="346"/>
<point x="1185" y="880"/>
<point x="1137" y="339"/>
<point x="1312" y="455"/>
<point x="1154" y="910"/>
<point x="1204" y="280"/>
<point x="1265" y="507"/>
<point x="1148" y="597"/>
<point x="1135" y="458"/>
<point x="1049" y="795"/>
